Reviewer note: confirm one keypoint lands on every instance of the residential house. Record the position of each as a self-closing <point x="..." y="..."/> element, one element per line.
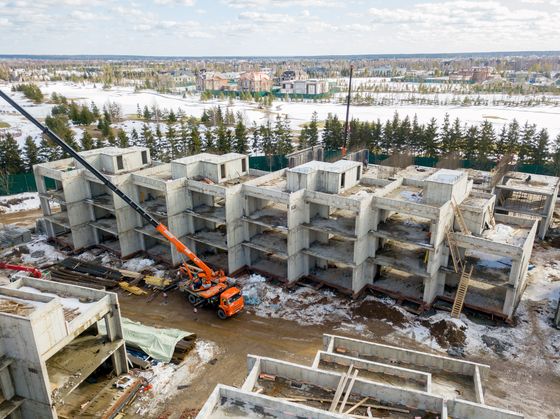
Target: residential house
<point x="254" y="81"/>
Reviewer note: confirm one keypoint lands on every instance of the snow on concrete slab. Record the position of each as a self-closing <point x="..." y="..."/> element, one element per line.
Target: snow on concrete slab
<point x="165" y="378"/>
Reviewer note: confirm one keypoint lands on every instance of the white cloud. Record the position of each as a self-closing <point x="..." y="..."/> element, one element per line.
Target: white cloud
<point x="81" y="15"/>
<point x="265" y="17"/>
<point x="175" y="2"/>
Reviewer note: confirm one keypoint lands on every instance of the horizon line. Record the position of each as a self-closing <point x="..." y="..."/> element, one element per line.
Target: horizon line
<point x="320" y="56"/>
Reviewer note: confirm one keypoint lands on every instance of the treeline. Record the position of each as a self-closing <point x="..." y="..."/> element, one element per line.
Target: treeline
<point x="170" y="135"/>
<point x="477" y="142"/>
<point x="30" y="91"/>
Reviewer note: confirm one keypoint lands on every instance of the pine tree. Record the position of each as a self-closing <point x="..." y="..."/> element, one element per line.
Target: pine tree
<point x="48" y="151"/>
<point x="171" y="137"/>
<point x="183" y="140"/>
<point x="313" y="131"/>
<point x="195" y="143"/>
<point x="471" y="142"/>
<point x="354" y="137"/>
<point x="134" y="139"/>
<point x="209" y="141"/>
<point x="268" y="143"/>
<point x="430" y="145"/>
<point x="513" y="138"/>
<point x="375" y="137"/>
<point x="527" y="142"/>
<point x="539" y="154"/>
<point x="303" y="139"/>
<point x="332" y="133"/>
<point x="31" y="152"/>
<point x="387" y="138"/>
<point x="502" y="144"/>
<point x="171" y="118"/>
<point x="455" y="137"/>
<point x="146" y="114"/>
<point x="162" y="151"/>
<point x="123" y="139"/>
<point x="87" y="141"/>
<point x="283" y="135"/>
<point x="11" y="160"/>
<point x="486" y="144"/>
<point x="147" y="139"/>
<point x="403" y="133"/>
<point x="416" y="134"/>
<point x="555" y="156"/>
<point x="241" y="138"/>
<point x="445" y="135"/>
<point x="222" y="145"/>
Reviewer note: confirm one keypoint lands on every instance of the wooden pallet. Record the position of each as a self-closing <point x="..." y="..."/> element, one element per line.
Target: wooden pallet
<point x="461" y="292"/>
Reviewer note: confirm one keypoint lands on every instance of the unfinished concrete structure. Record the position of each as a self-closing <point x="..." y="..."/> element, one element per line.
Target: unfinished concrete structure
<point x="409" y="233"/>
<point x="351" y="376"/>
<point x="46" y="350"/>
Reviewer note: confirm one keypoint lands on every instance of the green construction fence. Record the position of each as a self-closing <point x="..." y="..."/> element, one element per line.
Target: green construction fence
<point x="25" y="182"/>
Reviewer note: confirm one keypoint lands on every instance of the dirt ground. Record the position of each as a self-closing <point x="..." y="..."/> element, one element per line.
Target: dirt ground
<point x="528" y="382"/>
<point x="511" y="385"/>
<point x="22" y="218"/>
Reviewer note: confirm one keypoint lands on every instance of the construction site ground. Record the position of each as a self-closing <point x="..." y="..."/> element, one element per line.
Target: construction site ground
<point x="288" y="324"/>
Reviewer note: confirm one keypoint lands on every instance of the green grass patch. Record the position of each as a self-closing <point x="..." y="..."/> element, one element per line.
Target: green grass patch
<point x="4" y="124"/>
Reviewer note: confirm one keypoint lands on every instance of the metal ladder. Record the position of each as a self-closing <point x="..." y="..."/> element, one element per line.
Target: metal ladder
<point x="461" y="292"/>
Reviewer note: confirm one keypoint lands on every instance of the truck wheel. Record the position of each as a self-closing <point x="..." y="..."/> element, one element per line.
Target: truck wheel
<point x="222" y="314"/>
<point x="192" y="299"/>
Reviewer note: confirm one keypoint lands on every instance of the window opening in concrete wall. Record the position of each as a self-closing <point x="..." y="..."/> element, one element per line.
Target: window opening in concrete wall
<point x="144" y="157"/>
<point x="358" y="174"/>
<point x="342" y="180"/>
<point x="244" y="165"/>
<point x="120" y="164"/>
<point x="222" y="171"/>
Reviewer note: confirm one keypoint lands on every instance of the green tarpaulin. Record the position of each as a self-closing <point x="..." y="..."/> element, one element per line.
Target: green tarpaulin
<point x="155" y="342"/>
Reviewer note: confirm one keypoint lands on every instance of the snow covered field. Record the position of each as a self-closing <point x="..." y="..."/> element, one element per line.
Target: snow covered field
<point x="21" y="202"/>
<point x="298" y="112"/>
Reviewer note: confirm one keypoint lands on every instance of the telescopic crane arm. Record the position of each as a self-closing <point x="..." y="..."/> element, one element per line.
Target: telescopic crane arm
<point x="209" y="274"/>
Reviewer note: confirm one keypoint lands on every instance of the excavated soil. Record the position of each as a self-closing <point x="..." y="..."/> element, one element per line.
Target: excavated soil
<point x="379" y="310"/>
<point x="446" y="334"/>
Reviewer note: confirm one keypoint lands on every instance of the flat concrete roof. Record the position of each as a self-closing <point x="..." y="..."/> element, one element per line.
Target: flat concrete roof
<point x="336" y="167"/>
<point x="210" y="158"/>
<point x="445" y="176"/>
<point x="530" y="183"/>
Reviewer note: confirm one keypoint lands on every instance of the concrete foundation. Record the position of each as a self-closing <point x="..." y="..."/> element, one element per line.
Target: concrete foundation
<point x="277" y="388"/>
<point x="342" y="225"/>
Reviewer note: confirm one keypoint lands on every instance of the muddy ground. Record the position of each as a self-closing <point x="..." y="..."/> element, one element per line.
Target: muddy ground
<point x="524" y="379"/>
<point x="511" y="385"/>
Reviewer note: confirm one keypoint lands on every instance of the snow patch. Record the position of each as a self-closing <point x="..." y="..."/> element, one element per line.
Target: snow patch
<point x="137" y="264"/>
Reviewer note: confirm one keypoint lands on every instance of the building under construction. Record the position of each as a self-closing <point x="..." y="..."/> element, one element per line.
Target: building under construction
<point x="417" y="234"/>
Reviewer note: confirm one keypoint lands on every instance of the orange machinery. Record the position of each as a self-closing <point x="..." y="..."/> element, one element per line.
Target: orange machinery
<point x="207" y="287"/>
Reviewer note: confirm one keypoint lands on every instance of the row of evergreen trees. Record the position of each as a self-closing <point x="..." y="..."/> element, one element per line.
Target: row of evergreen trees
<point x="222" y="132"/>
<point x="477" y="142"/>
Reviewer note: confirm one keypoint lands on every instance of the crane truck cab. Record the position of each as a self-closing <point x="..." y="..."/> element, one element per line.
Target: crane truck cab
<point x="226" y="298"/>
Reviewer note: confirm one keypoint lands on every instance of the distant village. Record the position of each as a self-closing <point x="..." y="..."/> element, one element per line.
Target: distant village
<point x="306" y="78"/>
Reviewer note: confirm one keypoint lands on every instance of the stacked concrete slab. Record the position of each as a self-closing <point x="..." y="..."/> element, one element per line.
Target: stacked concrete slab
<point x="44" y="352"/>
<point x="385" y="379"/>
<point x="342" y="224"/>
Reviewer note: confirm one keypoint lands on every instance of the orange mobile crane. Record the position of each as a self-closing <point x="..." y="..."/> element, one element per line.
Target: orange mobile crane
<point x="207" y="287"/>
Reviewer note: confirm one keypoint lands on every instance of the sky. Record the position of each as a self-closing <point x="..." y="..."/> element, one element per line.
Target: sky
<point x="276" y="27"/>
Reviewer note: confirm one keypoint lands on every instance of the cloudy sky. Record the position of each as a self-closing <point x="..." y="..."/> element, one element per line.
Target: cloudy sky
<point x="276" y="27"/>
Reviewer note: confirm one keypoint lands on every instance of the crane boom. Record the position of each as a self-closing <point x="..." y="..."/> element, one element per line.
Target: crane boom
<point x="181" y="248"/>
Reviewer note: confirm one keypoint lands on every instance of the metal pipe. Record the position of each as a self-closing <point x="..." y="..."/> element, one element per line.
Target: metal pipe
<point x="345" y="141"/>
